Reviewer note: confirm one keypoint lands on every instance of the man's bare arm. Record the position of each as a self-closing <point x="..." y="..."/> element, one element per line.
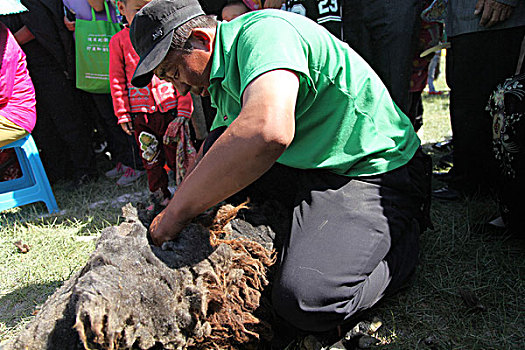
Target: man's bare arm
<point x="246" y="150"/>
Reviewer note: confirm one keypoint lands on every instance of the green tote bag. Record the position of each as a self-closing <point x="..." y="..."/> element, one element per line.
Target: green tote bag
<point x="92" y="52"/>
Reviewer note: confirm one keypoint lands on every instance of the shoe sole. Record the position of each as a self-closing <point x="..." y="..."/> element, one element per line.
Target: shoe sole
<point x="127" y="184"/>
<point x="113" y="176"/>
<point x="131" y="182"/>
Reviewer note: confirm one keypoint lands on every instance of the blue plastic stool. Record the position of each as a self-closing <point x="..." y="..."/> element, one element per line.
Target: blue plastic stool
<point x="33" y="186"/>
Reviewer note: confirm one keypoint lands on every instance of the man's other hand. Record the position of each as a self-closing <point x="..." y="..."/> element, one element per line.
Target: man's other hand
<point x="492" y="12"/>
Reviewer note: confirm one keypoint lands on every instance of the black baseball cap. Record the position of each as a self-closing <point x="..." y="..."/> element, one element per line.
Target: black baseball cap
<point x="152" y="30"/>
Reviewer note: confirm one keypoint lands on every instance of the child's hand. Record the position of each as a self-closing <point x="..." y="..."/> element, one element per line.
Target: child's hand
<point x="273" y="4"/>
<point x="70" y="25"/>
<point x="127" y="127"/>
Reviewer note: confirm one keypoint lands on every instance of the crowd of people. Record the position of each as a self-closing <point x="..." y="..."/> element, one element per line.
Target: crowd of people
<point x="322" y="120"/>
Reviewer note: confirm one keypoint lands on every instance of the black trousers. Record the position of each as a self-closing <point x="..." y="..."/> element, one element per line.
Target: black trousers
<point x="476" y="64"/>
<point x="122" y="146"/>
<point x="350" y="242"/>
<point x="61" y="131"/>
<point x="385" y="34"/>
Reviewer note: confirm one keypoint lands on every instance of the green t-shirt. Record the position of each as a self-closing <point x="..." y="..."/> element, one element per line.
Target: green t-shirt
<point x="345" y="119"/>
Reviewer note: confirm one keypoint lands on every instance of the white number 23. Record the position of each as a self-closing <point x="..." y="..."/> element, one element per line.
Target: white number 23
<point x="325" y="6"/>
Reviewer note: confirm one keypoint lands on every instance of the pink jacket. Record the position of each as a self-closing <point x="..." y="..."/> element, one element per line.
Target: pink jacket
<point x="17" y="94"/>
<point x="159" y="95"/>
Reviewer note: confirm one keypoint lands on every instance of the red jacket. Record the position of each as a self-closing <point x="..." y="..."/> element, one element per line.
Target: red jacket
<point x="159" y="95"/>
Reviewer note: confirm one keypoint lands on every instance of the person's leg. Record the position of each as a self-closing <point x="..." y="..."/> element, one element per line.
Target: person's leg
<point x="58" y="111"/>
<point x="172" y="149"/>
<point x="54" y="154"/>
<point x="123" y="147"/>
<point x="433" y="65"/>
<point x="415" y="111"/>
<point x="475" y="66"/>
<point x="92" y="119"/>
<point x="384" y="33"/>
<point x="169" y="151"/>
<point x="149" y="142"/>
<point x="10" y="132"/>
<point x="351" y="240"/>
<point x="512" y="207"/>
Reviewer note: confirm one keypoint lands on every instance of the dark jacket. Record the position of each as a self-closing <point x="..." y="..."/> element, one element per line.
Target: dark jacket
<point x="462" y="20"/>
<point x="45" y="19"/>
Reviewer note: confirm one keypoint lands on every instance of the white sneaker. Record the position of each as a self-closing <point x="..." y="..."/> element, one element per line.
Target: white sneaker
<point x="130" y="175"/>
<point x="117" y="171"/>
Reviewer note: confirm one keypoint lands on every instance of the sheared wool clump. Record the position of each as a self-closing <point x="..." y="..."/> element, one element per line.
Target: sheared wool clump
<point x="201" y="291"/>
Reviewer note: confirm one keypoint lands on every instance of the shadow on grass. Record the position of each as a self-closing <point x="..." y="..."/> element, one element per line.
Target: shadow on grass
<point x="23" y="302"/>
<point x="467" y="290"/>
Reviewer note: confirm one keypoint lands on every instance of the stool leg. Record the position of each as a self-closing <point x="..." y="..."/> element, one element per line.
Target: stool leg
<point x="40" y="174"/>
<point x="25" y="180"/>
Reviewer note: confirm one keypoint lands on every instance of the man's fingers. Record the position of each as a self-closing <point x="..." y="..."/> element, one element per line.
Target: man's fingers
<point x="494" y="18"/>
<point x="479" y="7"/>
<point x="154" y="228"/>
<point x="506" y="13"/>
<point x="156" y="241"/>
<point x="486" y="15"/>
<point x="502" y="15"/>
<point x="493" y="12"/>
<point x="163" y="229"/>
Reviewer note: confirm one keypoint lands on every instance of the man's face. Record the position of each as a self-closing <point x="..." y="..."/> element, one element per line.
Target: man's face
<point x="187" y="71"/>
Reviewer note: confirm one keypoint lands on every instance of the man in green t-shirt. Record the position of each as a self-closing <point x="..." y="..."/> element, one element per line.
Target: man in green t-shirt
<point x="301" y="118"/>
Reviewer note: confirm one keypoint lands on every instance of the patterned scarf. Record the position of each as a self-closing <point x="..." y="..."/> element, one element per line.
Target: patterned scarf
<point x="178" y="131"/>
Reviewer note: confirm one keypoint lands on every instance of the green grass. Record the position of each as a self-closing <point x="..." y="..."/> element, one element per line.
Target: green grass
<point x="436" y="122"/>
<point x="59" y="245"/>
<point x="460" y="254"/>
<point x="27" y="279"/>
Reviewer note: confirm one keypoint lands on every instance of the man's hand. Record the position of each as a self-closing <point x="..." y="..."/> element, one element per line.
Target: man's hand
<point x="164" y="228"/>
<point x="127" y="127"/>
<point x="492" y="11"/>
<point x="273" y="4"/>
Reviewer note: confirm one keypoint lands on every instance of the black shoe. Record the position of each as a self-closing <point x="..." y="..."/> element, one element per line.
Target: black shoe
<point x="444" y="146"/>
<point x="442" y="176"/>
<point x="447" y="160"/>
<point x="447" y="194"/>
